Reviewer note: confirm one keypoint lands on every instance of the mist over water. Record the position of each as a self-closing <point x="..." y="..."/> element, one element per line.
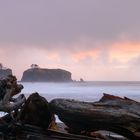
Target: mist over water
<point x="86" y="91"/>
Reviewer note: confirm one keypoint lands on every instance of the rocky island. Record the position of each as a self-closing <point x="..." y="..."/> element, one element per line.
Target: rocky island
<point x="37" y="74"/>
<point x="4" y="72"/>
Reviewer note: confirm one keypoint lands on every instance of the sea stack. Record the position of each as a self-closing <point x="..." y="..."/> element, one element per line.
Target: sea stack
<point x="4" y="72"/>
<point x="37" y="74"/>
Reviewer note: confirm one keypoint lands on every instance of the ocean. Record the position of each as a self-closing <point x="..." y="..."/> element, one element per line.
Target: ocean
<point x="83" y="91"/>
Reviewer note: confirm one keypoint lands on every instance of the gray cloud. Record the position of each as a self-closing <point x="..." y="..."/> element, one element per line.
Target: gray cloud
<point x="41" y="22"/>
<point x="34" y="31"/>
<point x="135" y="62"/>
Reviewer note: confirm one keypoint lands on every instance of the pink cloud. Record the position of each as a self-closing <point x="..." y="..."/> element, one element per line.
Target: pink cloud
<point x="98" y="61"/>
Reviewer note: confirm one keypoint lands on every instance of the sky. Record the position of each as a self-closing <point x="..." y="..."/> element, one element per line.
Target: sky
<point x="95" y="40"/>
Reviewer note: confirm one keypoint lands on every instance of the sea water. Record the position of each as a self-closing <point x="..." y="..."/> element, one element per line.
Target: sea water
<point x="83" y="91"/>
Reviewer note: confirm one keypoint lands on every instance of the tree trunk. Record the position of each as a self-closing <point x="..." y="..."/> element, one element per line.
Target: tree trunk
<point x="112" y="113"/>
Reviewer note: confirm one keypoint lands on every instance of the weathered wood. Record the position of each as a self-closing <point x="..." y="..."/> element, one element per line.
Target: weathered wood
<point x="35" y="118"/>
<point x="26" y="131"/>
<point x="9" y="88"/>
<point x="112" y="113"/>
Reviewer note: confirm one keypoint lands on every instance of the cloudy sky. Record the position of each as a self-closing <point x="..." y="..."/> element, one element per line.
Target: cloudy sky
<point x="94" y="39"/>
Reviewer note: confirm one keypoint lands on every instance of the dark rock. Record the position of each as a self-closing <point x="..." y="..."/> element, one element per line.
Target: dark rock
<point x="36" y="112"/>
<point x="81" y="80"/>
<point x="46" y="75"/>
<point x="4" y="73"/>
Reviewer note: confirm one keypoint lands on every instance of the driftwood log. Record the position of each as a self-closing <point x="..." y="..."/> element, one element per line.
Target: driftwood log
<point x="111" y="113"/>
<point x="33" y="119"/>
<point x="9" y="88"/>
<point x="35" y="122"/>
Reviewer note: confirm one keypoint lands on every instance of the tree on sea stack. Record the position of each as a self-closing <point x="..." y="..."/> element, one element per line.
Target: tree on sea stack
<point x="2" y="67"/>
<point x="34" y="66"/>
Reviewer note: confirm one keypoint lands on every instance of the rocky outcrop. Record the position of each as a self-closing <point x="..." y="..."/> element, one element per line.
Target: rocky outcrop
<point x="36" y="107"/>
<point x="4" y="73"/>
<point x="46" y="75"/>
